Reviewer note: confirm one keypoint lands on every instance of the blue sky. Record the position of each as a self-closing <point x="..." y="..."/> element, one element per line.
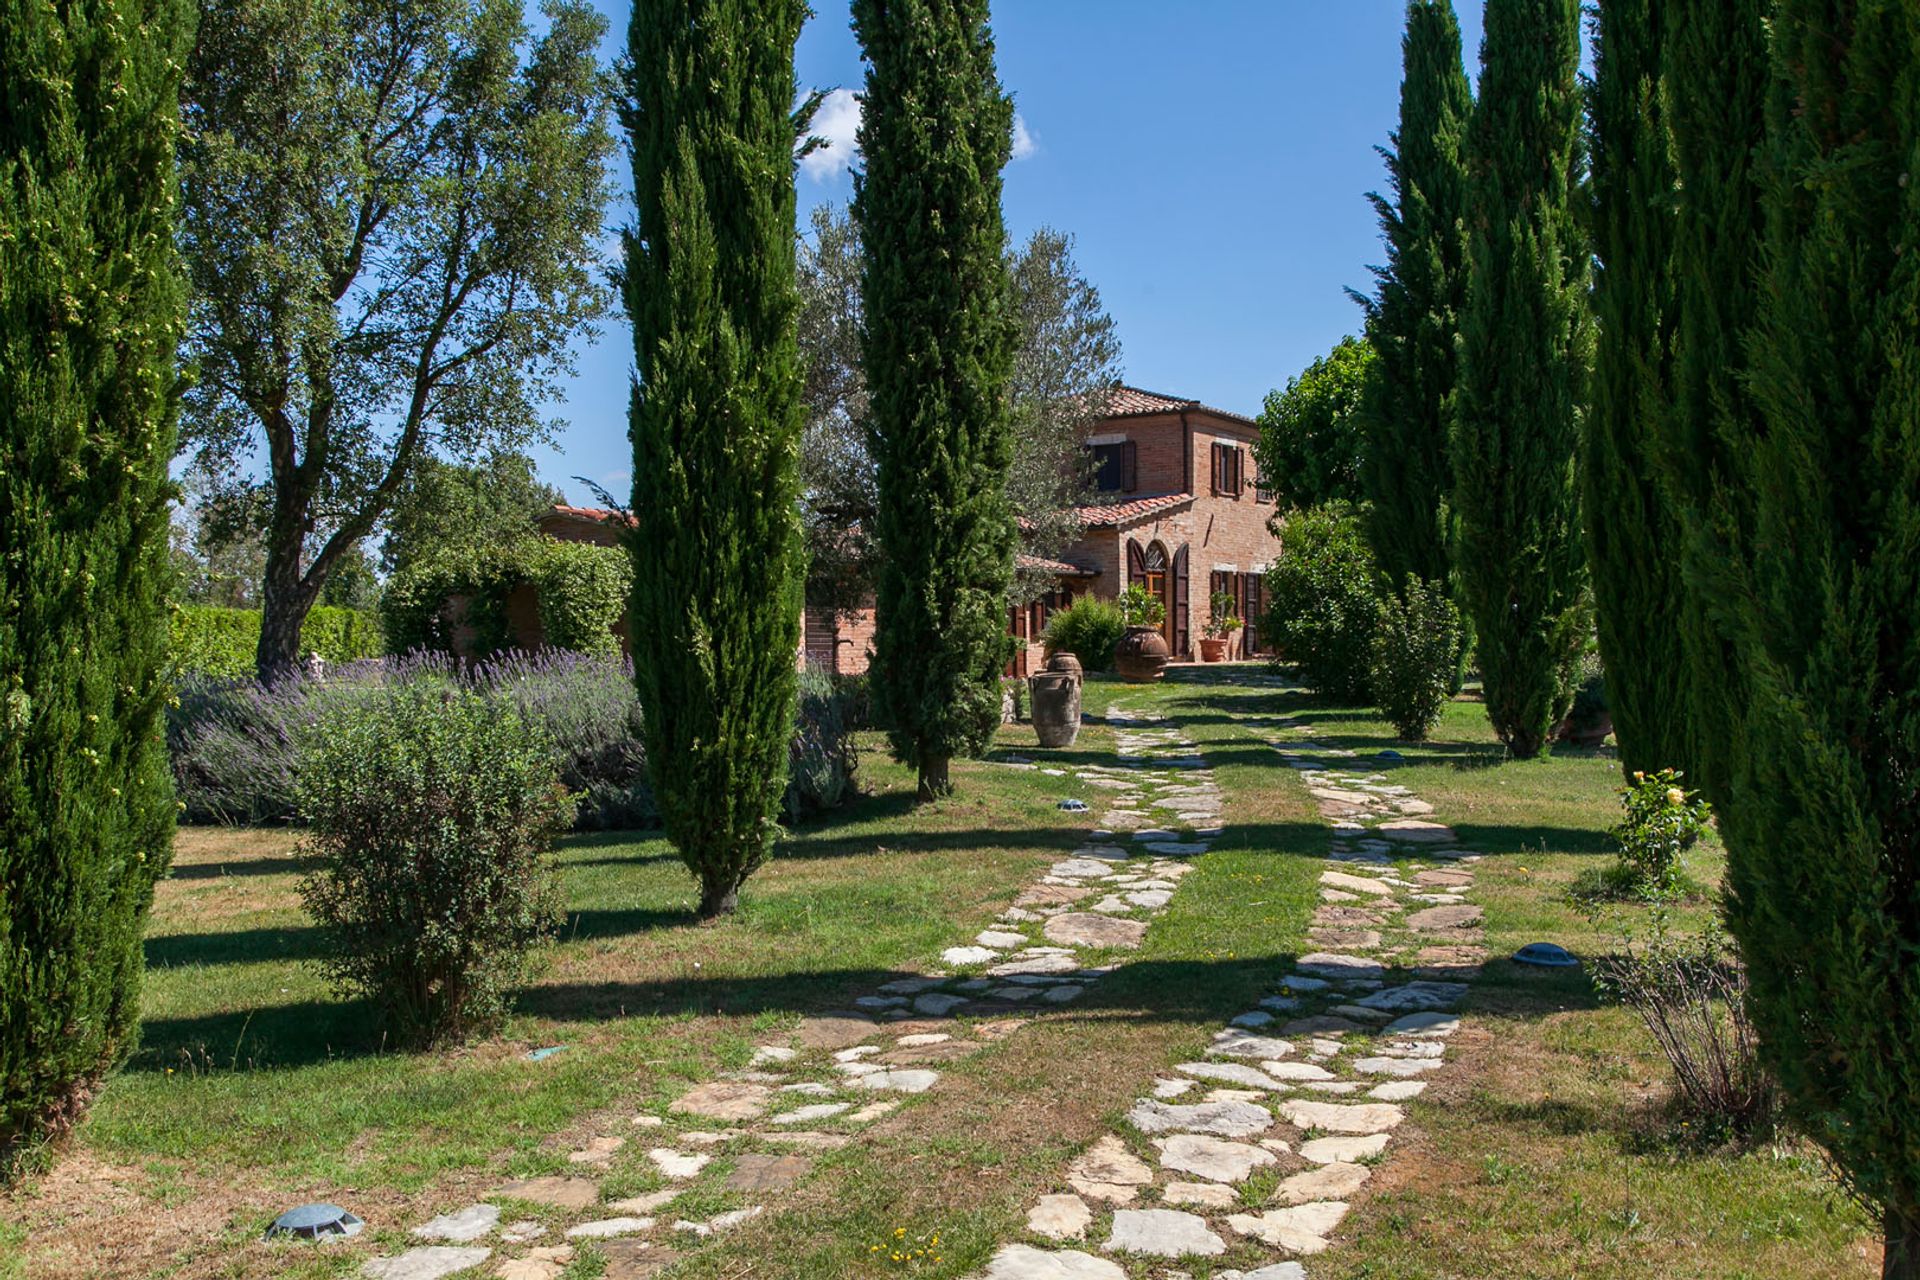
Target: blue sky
<point x="1210" y="157"/>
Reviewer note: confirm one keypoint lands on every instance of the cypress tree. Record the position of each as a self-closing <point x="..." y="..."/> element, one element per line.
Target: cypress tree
<point x="1413" y="319"/>
<point x="1717" y="77"/>
<point x="90" y="317"/>
<point x="715" y="420"/>
<point x="1633" y="534"/>
<point x="937" y="345"/>
<point x="1821" y="599"/>
<point x="1524" y="346"/>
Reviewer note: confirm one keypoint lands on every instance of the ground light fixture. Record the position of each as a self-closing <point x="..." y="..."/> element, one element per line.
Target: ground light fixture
<point x="1548" y="955"/>
<point x="315" y="1222"/>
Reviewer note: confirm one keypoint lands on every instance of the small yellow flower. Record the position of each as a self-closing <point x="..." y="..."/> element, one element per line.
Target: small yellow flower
<point x="1676" y="796"/>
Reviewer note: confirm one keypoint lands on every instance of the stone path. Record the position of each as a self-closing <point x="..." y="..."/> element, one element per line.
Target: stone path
<point x="818" y="1088"/>
<point x="1302" y="1092"/>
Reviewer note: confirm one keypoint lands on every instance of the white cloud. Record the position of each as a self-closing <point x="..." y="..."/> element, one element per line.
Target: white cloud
<point x="836" y="124"/>
<point x="1025" y="140"/>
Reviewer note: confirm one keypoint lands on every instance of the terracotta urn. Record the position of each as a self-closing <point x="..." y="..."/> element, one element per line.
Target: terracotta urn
<point x="1055" y="699"/>
<point x="1213" y="648"/>
<point x="1141" y="656"/>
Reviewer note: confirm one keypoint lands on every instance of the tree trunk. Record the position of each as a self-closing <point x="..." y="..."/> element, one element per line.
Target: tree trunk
<point x="1902" y="1258"/>
<point x="718" y="899"/>
<point x="285" y="601"/>
<point x="933" y="778"/>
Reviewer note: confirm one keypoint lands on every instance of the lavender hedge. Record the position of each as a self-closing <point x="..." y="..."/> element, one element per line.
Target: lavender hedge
<point x="236" y="744"/>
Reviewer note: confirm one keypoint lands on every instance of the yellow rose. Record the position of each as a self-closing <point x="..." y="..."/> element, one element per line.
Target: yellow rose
<point x="1676" y="796"/>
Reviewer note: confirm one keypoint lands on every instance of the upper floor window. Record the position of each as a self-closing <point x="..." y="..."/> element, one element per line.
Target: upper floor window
<point x="1116" y="466"/>
<point x="1229" y="469"/>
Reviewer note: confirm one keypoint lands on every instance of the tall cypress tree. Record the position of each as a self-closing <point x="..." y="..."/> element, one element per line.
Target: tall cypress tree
<point x="1822" y="600"/>
<point x="90" y="317"/>
<point x="716" y="419"/>
<point x="1717" y="78"/>
<point x="1633" y="533"/>
<point x="1525" y="339"/>
<point x="1413" y="319"/>
<point x="937" y="344"/>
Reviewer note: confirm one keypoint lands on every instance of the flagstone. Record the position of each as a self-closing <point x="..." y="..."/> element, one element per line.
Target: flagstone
<point x="1212" y="1158"/>
<point x="1328" y="1182"/>
<point x="1349" y="1148"/>
<point x="1024" y="1262"/>
<point x="560" y="1193"/>
<point x="1329" y="1117"/>
<point x="462" y="1225"/>
<point x="724" y="1100"/>
<point x="1225" y="1119"/>
<point x="1298" y="1229"/>
<point x="427" y="1262"/>
<point x="1164" y="1233"/>
<point x="1085" y="929"/>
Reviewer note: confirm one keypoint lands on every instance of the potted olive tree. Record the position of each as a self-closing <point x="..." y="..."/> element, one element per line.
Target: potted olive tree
<point x="1142" y="654"/>
<point x="1222" y="621"/>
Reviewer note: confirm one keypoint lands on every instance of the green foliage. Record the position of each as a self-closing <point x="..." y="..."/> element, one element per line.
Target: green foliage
<point x="433" y="814"/>
<point x="1817" y="584"/>
<point x="1416" y="650"/>
<point x="937" y="345"/>
<point x="1089" y="629"/>
<point x="1323" y="601"/>
<point x="1659" y="821"/>
<point x="90" y="320"/>
<point x="453" y="509"/>
<point x="823" y="760"/>
<point x="1066" y="365"/>
<point x="353" y="583"/>
<point x="1223" y="616"/>
<point x="1525" y="344"/>
<point x="1633" y="534"/>
<point x="1717" y="84"/>
<point x="1308" y="452"/>
<point x="390" y="216"/>
<point x="719" y="561"/>
<point x="209" y="641"/>
<point x="1140" y="607"/>
<point x="1413" y="319"/>
<point x="583" y="592"/>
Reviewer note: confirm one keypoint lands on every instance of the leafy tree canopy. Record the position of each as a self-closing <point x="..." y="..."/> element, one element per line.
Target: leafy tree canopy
<point x="1311" y="433"/>
<point x="1066" y="364"/>
<point x="390" y="216"/>
<point x="464" y="508"/>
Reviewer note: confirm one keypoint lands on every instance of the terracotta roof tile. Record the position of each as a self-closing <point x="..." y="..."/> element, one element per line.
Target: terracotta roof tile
<point x="1061" y="567"/>
<point x="1133" y="402"/>
<point x="1107" y="515"/>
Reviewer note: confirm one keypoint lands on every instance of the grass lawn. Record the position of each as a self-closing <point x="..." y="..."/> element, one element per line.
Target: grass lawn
<point x="1547" y="1152"/>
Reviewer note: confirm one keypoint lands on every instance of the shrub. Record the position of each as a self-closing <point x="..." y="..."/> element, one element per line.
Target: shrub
<point x="821" y="761"/>
<point x="1660" y="821"/>
<point x="1691" y="992"/>
<point x="1323" y="604"/>
<point x="433" y="812"/>
<point x="583" y="594"/>
<point x="1223" y="616"/>
<point x="1416" y="650"/>
<point x="1141" y="608"/>
<point x="1089" y="629"/>
<point x="1588" y="714"/>
<point x="205" y="640"/>
<point x="587" y="706"/>
<point x="855" y="692"/>
<point x="235" y="744"/>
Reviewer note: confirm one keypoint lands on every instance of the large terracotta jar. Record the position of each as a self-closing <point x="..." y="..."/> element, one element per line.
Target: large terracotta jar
<point x="1141" y="656"/>
<point x="1055" y="698"/>
<point x="1213" y="648"/>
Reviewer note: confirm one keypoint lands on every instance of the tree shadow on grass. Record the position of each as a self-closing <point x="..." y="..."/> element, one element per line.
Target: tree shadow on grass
<point x="270" y="865"/>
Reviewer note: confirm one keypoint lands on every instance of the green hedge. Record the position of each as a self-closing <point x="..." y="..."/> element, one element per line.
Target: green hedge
<point x="582" y="587"/>
<point x="211" y="641"/>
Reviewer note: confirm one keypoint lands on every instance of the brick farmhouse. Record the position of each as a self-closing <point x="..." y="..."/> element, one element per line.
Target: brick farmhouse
<point x="1176" y="509"/>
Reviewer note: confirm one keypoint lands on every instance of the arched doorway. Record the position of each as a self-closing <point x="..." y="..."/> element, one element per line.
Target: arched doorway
<point x="1157" y="577"/>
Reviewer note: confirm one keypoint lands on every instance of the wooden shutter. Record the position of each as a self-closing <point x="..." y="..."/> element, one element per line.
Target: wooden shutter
<point x="1180" y="600"/>
<point x="1250" y="613"/>
<point x="1129" y="466"/>
<point x="1136" y="562"/>
<point x="1214" y="483"/>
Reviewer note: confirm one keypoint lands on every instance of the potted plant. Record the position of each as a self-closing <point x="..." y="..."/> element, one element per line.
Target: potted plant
<point x="1142" y="654"/>
<point x="1222" y="621"/>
